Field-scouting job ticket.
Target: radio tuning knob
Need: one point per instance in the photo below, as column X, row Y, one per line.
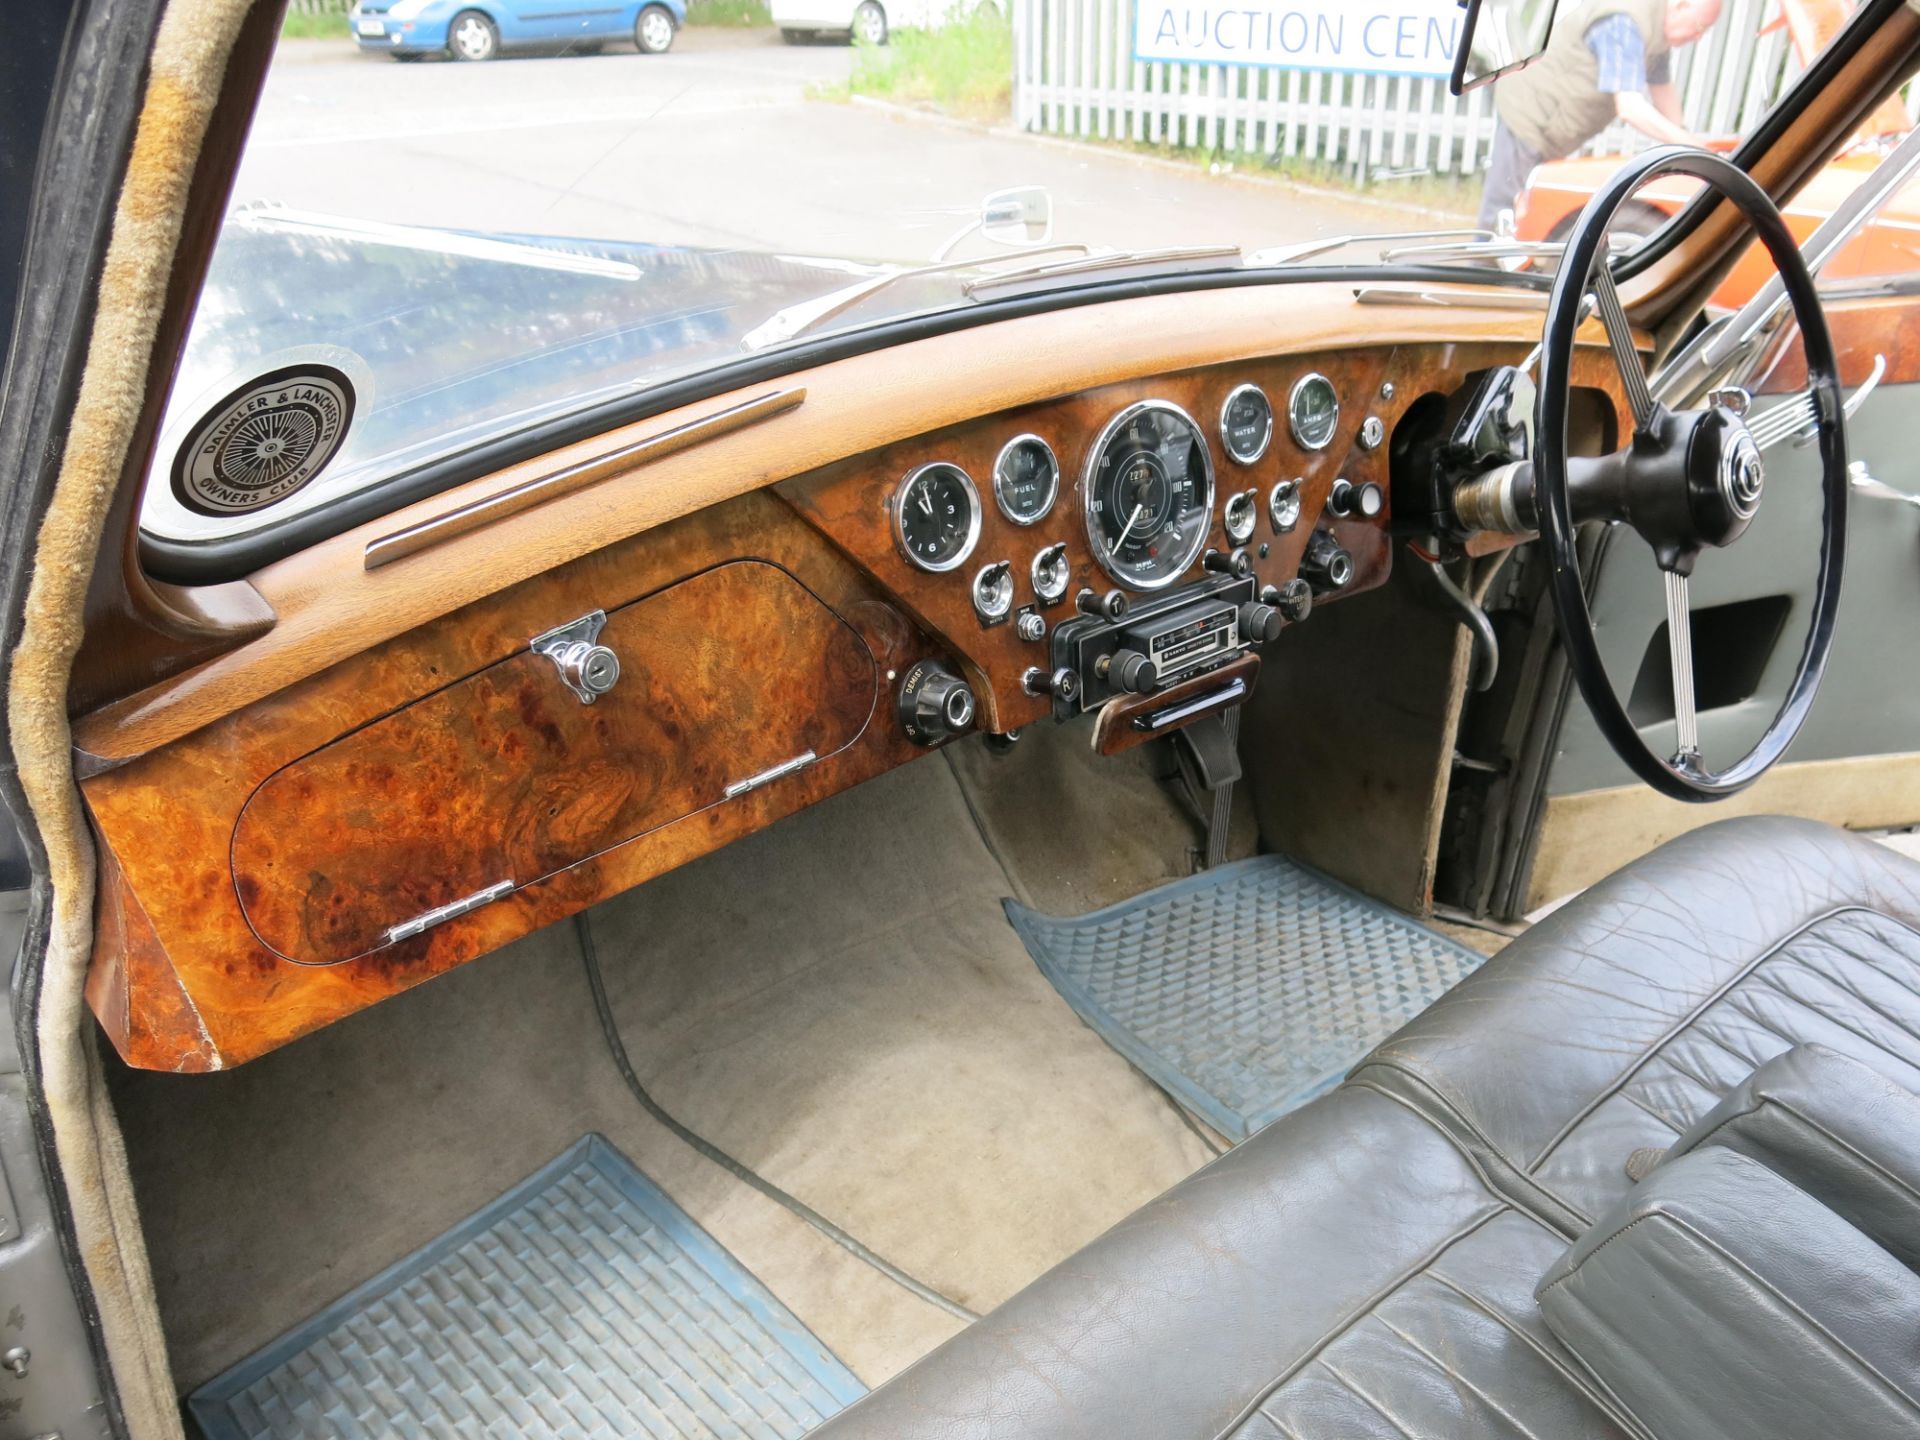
column 1260, row 623
column 1238, row 564
column 934, row 704
column 1130, row 671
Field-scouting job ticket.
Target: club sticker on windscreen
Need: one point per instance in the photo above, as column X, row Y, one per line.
column 265, row 441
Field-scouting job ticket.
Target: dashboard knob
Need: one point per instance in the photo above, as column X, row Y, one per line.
column 1294, row 600
column 1031, row 625
column 1239, row 564
column 1110, row 606
column 934, row 704
column 1358, row 502
column 1260, row 623
column 1130, row 671
column 1061, row 684
column 1327, row 565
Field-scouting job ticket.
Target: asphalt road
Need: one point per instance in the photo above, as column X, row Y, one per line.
column 715, row 143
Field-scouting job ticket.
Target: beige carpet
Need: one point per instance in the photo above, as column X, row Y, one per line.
column 838, row 1001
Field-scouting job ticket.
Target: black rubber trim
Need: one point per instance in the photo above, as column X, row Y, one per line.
column 214, row 561
column 1858, row 30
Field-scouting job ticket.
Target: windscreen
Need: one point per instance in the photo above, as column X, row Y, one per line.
column 455, row 220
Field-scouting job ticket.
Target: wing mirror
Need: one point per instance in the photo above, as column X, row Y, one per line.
column 1022, row 218
column 1498, row 37
column 1017, row 217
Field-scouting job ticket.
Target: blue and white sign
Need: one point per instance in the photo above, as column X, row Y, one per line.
column 1372, row 37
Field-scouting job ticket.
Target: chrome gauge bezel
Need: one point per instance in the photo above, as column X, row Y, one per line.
column 1245, row 503
column 1053, row 488
column 973, row 521
column 1294, row 423
column 1226, row 432
column 1097, row 542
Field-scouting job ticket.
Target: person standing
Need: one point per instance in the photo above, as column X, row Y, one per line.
column 1605, row 60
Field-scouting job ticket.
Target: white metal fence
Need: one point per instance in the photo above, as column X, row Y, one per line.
column 1074, row 74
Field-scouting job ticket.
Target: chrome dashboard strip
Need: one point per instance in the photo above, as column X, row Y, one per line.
column 466, row 519
column 422, row 923
column 767, row 777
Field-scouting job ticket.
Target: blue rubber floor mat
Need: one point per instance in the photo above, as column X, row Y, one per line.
column 1247, row 990
column 582, row 1303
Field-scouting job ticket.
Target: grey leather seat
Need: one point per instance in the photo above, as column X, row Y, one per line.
column 1621, row 1019
column 1346, row 1273
column 1367, row 1265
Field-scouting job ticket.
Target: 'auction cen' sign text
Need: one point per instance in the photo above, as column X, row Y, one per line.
column 1387, row 37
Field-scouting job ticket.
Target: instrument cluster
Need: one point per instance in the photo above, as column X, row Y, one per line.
column 1148, row 492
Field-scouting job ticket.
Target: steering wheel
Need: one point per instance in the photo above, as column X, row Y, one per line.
column 1686, row 480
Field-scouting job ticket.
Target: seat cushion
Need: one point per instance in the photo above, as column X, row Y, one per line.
column 1345, row 1273
column 1619, row 1020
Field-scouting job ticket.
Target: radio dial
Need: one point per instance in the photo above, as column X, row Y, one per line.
column 1130, row 671
column 1260, row 624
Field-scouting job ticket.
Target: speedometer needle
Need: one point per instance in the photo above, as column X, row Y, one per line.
column 1132, row 520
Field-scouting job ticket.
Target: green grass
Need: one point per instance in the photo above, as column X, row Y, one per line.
column 306, row 25
column 964, row 68
column 737, row 14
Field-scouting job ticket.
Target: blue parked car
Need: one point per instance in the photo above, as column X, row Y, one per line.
column 481, row 29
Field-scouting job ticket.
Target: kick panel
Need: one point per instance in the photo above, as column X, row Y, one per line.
column 511, row 775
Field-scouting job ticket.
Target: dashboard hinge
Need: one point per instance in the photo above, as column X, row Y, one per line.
column 420, row 924
column 767, row 777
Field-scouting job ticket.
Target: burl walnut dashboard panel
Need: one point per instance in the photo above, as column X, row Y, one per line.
column 445, row 792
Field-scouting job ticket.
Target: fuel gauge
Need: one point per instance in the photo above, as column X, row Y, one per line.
column 1026, row 478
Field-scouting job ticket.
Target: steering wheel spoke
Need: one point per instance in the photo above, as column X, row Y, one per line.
column 1686, row 717
column 1633, row 374
column 1691, row 478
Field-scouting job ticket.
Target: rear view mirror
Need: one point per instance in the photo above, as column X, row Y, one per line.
column 1500, row 36
column 1017, row 217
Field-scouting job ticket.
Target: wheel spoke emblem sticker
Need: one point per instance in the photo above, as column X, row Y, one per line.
column 264, row 441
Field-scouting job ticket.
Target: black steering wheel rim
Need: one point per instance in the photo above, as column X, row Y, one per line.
column 1683, row 778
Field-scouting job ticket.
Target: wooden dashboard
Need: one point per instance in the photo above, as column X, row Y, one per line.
column 291, row 836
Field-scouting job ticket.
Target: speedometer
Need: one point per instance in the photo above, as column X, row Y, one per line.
column 1148, row 495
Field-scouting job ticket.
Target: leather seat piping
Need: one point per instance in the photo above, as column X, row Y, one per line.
column 1521, row 1189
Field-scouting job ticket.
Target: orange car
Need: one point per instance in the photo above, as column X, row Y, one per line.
column 1889, row 245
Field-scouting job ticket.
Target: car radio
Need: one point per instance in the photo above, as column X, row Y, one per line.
column 1119, row 646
